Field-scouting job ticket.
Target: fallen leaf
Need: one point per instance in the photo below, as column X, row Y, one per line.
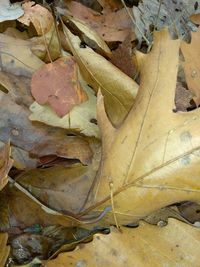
column 152, row 159
column 112, row 27
column 4, row 252
column 39, row 16
column 37, row 138
column 57, row 84
column 5, row 164
column 10, row 12
column 191, row 53
column 146, row 245
column 80, row 118
column 16, row 56
column 119, row 89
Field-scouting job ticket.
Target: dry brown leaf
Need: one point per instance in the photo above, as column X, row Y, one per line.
column 5, row 164
column 146, row 246
column 18, row 88
column 37, row 138
column 39, row 16
column 119, row 89
column 183, row 98
column 191, row 53
column 16, row 56
column 56, row 193
column 4, row 251
column 110, row 5
column 152, row 159
column 57, row 84
column 112, row 27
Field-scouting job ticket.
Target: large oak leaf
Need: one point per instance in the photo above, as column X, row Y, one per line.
column 152, row 159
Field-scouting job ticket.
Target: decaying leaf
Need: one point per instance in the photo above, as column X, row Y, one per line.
column 16, row 56
column 4, row 251
column 10, row 12
column 191, row 64
column 118, row 88
column 155, row 14
column 57, row 84
column 39, row 16
column 145, row 245
column 183, row 98
column 79, row 119
column 5, row 164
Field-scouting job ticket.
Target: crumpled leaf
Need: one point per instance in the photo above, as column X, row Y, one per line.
column 16, row 56
column 152, row 159
column 5, row 164
column 4, row 252
column 90, row 36
column 10, row 12
column 37, row 138
column 80, row 118
column 119, row 89
column 155, row 14
column 57, row 84
column 39, row 16
column 191, row 65
column 145, row 245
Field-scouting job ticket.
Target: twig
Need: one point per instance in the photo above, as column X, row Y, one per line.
column 134, row 22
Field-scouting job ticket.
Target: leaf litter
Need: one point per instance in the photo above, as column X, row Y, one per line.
column 68, row 171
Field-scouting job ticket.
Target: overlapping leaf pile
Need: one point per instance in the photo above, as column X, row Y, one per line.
column 87, row 142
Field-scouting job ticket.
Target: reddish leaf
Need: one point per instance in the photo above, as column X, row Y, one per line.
column 57, row 84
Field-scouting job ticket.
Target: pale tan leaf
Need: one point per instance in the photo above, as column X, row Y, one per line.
column 16, row 56
column 4, row 251
column 177, row 244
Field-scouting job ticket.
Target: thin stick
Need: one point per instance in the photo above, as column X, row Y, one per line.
column 134, row 22
column 112, row 204
column 45, row 43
